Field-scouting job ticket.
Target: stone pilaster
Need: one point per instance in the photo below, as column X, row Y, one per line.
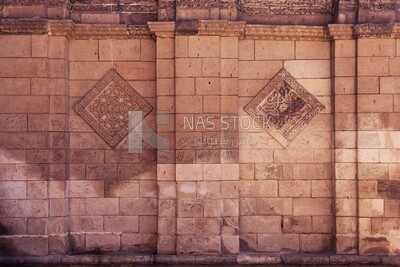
column 345, row 110
column 165, row 68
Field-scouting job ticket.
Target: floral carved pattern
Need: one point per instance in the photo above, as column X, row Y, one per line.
column 105, row 108
column 284, row 107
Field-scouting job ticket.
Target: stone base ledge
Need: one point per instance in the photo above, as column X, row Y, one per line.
column 243, row 259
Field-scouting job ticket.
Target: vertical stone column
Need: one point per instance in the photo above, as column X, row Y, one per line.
column 344, row 81
column 165, row 47
column 378, row 140
column 58, row 143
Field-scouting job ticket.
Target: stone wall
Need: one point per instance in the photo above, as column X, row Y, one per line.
column 320, row 174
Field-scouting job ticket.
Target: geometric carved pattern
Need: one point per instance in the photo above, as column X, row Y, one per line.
column 293, row 7
column 283, row 107
column 105, row 108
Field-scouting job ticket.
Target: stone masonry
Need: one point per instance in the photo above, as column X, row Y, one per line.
column 266, row 127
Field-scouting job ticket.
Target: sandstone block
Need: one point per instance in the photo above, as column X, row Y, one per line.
column 377, row 48
column 278, row 242
column 344, row 85
column 230, row 244
column 24, row 172
column 58, row 207
column 138, row 206
column 24, row 104
column 274, row 206
column 15, row 86
column 37, row 189
column 345, row 121
column 139, row 243
column 86, row 189
column 297, row 224
column 28, row 246
column 148, row 188
column 189, row 172
column 165, row 48
column 346, row 207
column 190, row 209
column 345, row 48
column 370, row 171
column 102, row 206
column 346, row 189
column 345, row 139
column 308, row 68
column 256, row 156
column 345, row 67
column 207, row 86
column 390, row 85
column 229, row 68
column 259, row 69
column 15, row 46
column 230, row 207
column 260, row 224
column 147, row 50
column 189, row 104
column 272, row 50
column 185, row 86
column 40, row 45
column 246, row 49
column 102, row 242
column 165, row 68
column 24, row 208
column 368, row 189
column 229, row 47
column 13, row 123
column 57, row 47
column 166, row 226
column 248, row 206
column 316, row 242
column 346, row 225
column 166, row 208
column 246, row 171
column 294, row 188
column 13, row 189
column 166, row 244
column 312, row 50
column 181, row 46
column 208, row 190
column 394, row 171
column 229, row 189
column 368, row 155
column 138, row 71
column 293, row 155
column 210, row 67
column 373, row 66
column 84, row 50
column 122, row 188
column 261, row 188
column 89, row 70
column 204, row 46
column 368, row 85
column 371, row 207
column 148, row 224
column 321, row 188
column 312, row 206
column 375, row 103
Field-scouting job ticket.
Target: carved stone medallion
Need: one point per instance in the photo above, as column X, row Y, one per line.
column 105, row 108
column 283, row 107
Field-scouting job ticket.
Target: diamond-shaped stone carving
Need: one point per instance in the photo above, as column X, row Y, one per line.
column 283, row 107
column 105, row 108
